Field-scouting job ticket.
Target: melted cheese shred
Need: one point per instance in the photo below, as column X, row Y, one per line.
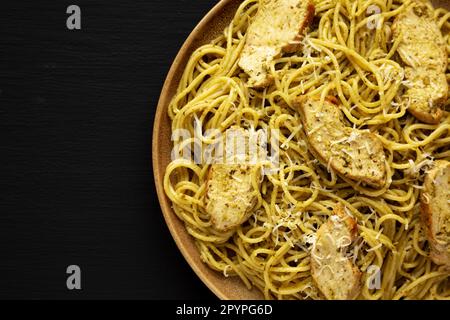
column 341, row 56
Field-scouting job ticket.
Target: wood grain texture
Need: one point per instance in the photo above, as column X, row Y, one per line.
column 76, row 185
column 76, row 110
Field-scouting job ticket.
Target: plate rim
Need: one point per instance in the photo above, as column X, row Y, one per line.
column 159, row 171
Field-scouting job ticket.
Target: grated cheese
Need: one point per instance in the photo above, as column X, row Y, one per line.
column 379, row 234
column 329, row 165
column 348, row 153
column 285, row 144
column 378, row 246
column 225, row 270
column 315, row 129
column 339, row 141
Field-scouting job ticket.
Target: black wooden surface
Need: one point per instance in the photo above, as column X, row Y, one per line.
column 76, row 117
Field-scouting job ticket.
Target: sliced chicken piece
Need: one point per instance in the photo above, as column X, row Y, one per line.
column 354, row 154
column 230, row 194
column 435, row 209
column 333, row 272
column 426, row 94
column 423, row 51
column 278, row 26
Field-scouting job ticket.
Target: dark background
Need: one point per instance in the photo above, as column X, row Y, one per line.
column 76, row 118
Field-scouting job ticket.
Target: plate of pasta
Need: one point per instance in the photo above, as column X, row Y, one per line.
column 301, row 149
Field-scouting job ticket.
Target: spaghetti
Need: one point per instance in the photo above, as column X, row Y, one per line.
column 349, row 54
